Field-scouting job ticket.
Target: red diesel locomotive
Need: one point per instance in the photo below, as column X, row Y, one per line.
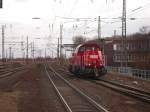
column 87, row 59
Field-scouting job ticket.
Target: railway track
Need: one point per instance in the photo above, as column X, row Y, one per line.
column 122, row 88
column 9, row 72
column 72, row 98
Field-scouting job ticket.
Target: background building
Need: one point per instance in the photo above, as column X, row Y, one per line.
column 137, row 51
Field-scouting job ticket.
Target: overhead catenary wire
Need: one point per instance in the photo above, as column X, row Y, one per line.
column 106, row 20
column 137, row 10
column 74, row 5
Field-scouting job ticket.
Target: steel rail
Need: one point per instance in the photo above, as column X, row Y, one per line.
column 58, row 93
column 90, row 100
column 125, row 86
column 124, row 90
column 9, row 73
column 128, row 90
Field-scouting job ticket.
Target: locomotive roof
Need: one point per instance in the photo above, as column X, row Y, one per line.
column 88, row 44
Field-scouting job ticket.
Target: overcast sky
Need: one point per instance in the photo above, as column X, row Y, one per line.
column 18, row 14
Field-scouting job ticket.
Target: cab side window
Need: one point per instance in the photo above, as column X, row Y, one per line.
column 81, row 49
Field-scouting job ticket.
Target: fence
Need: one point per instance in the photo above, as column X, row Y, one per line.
column 145, row 74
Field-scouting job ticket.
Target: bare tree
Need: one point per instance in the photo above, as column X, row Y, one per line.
column 78, row 40
column 145, row 29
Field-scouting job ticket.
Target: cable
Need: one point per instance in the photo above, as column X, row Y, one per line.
column 75, row 3
column 140, row 8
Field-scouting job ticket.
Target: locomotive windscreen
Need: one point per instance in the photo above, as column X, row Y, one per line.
column 91, row 48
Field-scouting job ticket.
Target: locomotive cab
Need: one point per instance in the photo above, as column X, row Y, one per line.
column 88, row 59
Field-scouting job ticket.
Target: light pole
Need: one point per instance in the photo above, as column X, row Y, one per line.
column 38, row 18
column 3, row 44
column 27, row 52
column 61, row 28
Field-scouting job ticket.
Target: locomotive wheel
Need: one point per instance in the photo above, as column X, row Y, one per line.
column 76, row 70
column 103, row 70
column 73, row 69
column 96, row 73
column 70, row 68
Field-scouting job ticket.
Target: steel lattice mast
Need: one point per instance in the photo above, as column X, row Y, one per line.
column 124, row 52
